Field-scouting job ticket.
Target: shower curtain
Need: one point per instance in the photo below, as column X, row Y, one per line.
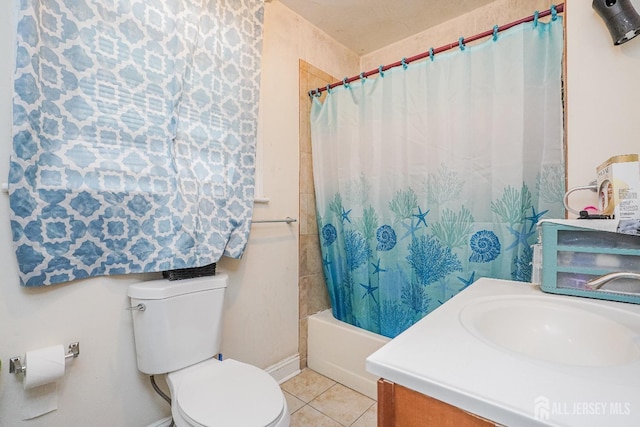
column 435, row 173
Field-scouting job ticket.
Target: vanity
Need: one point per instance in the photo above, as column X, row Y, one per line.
column 506, row 353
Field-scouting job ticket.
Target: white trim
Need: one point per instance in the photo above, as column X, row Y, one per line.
column 285, row 369
column 165, row 422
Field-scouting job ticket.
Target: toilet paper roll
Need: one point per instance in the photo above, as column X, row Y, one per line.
column 39, row 401
column 43, row 366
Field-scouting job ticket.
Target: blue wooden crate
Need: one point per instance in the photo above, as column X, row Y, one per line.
column 573, row 255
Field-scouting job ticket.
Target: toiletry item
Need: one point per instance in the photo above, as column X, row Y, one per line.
column 44, row 367
column 587, row 215
column 629, row 226
column 575, row 253
column 618, row 185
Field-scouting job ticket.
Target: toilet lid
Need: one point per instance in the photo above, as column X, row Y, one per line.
column 229, row 393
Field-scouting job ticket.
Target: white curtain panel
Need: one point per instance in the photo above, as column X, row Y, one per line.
column 435, row 174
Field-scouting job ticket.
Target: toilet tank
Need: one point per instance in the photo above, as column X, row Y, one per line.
column 181, row 323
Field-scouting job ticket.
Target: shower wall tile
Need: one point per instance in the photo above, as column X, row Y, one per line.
column 306, row 173
column 308, row 222
column 314, row 295
column 310, row 255
column 302, row 345
column 303, row 292
column 305, row 126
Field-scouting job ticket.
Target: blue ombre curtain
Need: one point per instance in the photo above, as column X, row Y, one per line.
column 134, row 128
column 434, row 175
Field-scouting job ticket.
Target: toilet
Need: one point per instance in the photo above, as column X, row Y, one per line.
column 177, row 328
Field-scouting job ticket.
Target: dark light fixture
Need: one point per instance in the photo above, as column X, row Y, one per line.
column 621, row 18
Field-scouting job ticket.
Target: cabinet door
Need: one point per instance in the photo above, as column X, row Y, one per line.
column 399, row 406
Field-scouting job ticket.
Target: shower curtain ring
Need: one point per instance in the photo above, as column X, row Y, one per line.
column 362, row 77
column 380, row 71
column 535, row 18
column 461, row 43
column 328, row 89
column 495, row 32
column 431, row 53
column 554, row 12
column 404, row 63
column 345, row 83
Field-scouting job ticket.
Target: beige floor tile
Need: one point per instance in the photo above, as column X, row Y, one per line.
column 369, row 418
column 293, row 403
column 307, row 385
column 309, row 417
column 342, row 404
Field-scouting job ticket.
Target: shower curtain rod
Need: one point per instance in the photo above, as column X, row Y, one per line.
column 432, row 52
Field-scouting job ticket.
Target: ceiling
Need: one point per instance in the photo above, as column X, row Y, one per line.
column 367, row 25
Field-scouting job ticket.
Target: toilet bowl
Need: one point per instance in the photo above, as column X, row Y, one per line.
column 227, row 393
column 177, row 328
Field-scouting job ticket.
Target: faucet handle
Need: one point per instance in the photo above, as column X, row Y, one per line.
column 597, row 283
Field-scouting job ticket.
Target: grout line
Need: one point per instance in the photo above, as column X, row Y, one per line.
column 326, row 415
column 365, row 411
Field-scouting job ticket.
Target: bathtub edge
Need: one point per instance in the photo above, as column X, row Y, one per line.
column 338, row 351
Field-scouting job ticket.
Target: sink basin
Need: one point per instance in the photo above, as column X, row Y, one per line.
column 556, row 330
column 513, row 354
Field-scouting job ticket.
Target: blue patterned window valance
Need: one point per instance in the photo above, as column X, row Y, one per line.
column 134, row 127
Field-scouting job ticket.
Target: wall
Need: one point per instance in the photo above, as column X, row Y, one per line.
column 287, row 40
column 103, row 387
column 603, row 87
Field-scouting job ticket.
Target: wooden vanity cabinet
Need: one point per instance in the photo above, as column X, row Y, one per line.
column 399, row 406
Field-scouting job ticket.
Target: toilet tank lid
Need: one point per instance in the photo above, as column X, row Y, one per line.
column 163, row 288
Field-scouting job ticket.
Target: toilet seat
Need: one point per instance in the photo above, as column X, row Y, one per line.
column 228, row 393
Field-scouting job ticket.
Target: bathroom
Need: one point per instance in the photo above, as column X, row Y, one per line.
column 273, row 288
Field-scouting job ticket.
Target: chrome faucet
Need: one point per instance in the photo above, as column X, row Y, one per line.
column 597, row 283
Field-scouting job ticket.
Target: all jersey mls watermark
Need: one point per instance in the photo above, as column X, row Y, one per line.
column 546, row 409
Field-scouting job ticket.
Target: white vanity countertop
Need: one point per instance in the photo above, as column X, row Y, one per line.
column 439, row 357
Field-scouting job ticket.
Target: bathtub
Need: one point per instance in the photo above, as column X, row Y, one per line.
column 338, row 350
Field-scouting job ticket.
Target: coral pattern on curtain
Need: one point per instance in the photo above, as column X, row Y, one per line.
column 134, row 127
column 433, row 175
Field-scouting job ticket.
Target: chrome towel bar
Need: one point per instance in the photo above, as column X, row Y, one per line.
column 288, row 220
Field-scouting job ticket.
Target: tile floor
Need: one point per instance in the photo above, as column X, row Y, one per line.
column 317, row 401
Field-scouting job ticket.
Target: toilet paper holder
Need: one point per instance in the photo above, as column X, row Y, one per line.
column 16, row 366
